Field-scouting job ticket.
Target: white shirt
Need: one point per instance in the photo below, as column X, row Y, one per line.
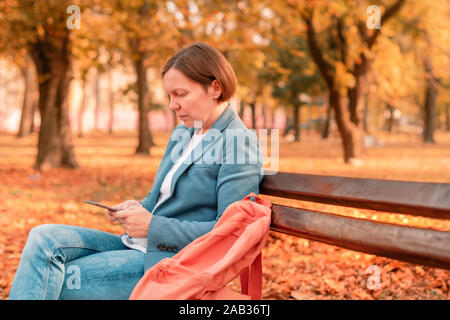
column 164, row 192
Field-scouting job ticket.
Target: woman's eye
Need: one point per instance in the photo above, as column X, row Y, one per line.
column 177, row 95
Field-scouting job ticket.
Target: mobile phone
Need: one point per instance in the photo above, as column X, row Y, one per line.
column 101, row 205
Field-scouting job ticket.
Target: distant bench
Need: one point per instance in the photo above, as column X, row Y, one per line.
column 410, row 244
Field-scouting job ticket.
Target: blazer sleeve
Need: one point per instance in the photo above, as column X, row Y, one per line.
column 234, row 182
column 145, row 202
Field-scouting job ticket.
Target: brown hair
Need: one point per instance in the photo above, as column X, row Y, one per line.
column 202, row 63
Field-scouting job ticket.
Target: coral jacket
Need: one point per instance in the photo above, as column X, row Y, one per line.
column 202, row 269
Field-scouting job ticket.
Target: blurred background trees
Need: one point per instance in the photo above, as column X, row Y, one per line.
column 364, row 68
column 40, row 31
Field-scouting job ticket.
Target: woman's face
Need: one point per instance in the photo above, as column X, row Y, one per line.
column 189, row 99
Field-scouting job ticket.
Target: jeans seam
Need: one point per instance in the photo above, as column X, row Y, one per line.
column 47, row 274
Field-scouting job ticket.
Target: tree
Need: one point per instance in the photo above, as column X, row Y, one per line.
column 443, row 103
column 145, row 29
column 30, row 98
column 431, row 91
column 48, row 40
column 237, row 29
column 335, row 76
column 433, row 49
column 293, row 75
column 342, row 47
column 15, row 49
column 424, row 29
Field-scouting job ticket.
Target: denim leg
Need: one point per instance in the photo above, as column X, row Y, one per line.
column 110, row 275
column 49, row 247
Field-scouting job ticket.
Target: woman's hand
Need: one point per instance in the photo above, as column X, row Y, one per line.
column 135, row 219
column 122, row 206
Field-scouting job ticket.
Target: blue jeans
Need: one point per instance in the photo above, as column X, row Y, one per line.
column 68, row 262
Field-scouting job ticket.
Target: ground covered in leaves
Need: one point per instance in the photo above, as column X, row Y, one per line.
column 293, row 268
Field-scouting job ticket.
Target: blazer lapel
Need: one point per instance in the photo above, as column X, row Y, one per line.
column 167, row 162
column 220, row 124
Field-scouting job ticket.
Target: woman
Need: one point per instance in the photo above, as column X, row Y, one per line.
column 211, row 161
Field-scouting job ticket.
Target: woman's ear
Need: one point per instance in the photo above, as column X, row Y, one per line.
column 216, row 89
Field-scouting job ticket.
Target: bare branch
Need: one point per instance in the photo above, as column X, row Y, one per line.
column 342, row 42
column 316, row 52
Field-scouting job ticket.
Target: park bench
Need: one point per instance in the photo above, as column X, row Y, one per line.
column 411, row 244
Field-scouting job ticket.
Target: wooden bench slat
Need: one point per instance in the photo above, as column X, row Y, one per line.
column 414, row 198
column 416, row 245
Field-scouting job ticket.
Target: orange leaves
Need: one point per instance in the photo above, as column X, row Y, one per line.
column 320, row 271
column 333, row 286
column 344, row 78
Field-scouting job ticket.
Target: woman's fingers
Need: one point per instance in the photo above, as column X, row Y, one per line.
column 122, row 208
column 112, row 216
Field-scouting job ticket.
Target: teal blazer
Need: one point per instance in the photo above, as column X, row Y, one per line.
column 223, row 168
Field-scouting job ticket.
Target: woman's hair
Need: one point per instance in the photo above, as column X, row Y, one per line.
column 202, row 63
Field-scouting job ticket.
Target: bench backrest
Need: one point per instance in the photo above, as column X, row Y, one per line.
column 411, row 244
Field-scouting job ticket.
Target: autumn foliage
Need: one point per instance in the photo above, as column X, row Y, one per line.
column 293, row 268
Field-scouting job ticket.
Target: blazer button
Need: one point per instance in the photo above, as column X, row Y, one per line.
column 163, row 248
column 159, row 247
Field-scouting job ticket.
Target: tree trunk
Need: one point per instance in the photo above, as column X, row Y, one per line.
column 97, row 100
column 241, row 109
column 253, row 109
column 145, row 137
column 296, row 122
column 273, row 113
column 431, row 91
column 265, row 114
column 82, row 106
column 356, row 94
column 35, row 106
column 390, row 120
column 430, row 106
column 366, row 113
column 353, row 97
column 54, row 69
column 111, row 101
column 326, row 127
column 288, row 123
column 30, row 98
column 350, row 133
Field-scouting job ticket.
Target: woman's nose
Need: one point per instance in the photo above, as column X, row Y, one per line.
column 173, row 105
